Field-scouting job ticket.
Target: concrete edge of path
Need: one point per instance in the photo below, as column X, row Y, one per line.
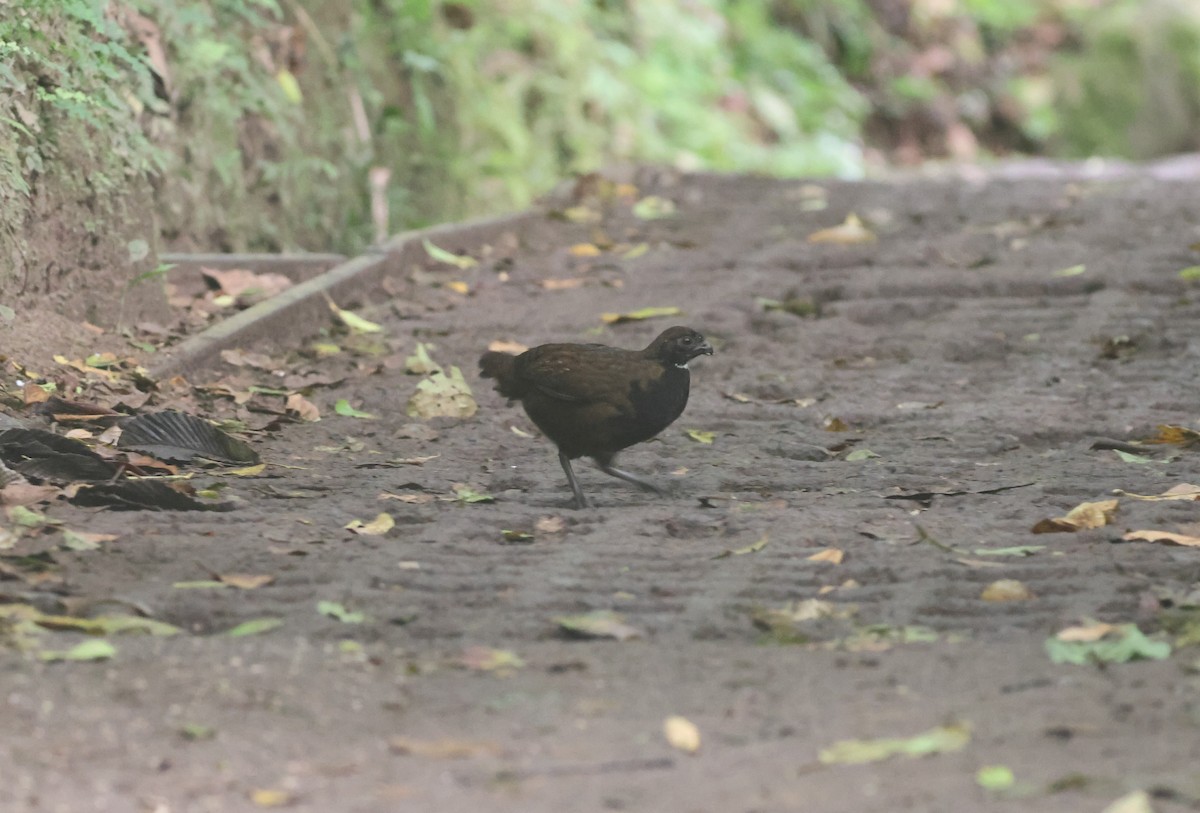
column 295, row 313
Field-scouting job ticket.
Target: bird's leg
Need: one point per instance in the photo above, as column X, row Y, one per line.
column 580, row 500
column 607, row 467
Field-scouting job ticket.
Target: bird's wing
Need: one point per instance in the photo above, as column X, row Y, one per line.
column 578, row 373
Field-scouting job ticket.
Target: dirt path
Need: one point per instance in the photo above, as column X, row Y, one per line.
column 963, row 349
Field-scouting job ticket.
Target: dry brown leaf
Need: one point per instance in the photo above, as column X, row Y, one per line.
column 239, row 282
column 443, row 749
column 33, row 394
column 23, row 493
column 1083, row 516
column 1178, row 435
column 849, row 232
column 1006, row 590
column 245, row 581
column 836, row 425
column 833, row 555
column 1166, row 537
column 303, row 408
column 682, row 734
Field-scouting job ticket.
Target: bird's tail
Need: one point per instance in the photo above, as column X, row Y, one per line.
column 499, row 366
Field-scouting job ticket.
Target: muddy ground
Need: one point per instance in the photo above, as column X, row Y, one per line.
column 954, row 348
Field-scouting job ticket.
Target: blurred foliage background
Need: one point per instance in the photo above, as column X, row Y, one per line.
column 320, row 124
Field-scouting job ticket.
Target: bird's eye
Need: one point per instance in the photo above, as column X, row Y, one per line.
column 687, row 340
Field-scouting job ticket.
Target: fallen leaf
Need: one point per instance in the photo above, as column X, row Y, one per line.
column 442, row 395
column 995, row 777
column 584, row 250
column 1190, row 274
column 459, row 287
column 850, row 232
column 654, row 207
column 836, row 425
column 1083, row 516
column 255, row 626
column 1018, row 550
column 443, row 256
column 247, row 471
column 486, row 659
column 1183, row 491
column 246, row 581
column 566, row 284
column 1073, row 271
column 682, row 734
column 343, row 408
column 303, row 408
column 940, row 740
column 81, row 541
column 1136, row 802
column 641, row 313
column 501, row 346
column 271, row 797
column 1114, row 644
column 466, row 494
column 860, row 454
column 832, row 555
column 755, row 548
column 1006, row 590
column 94, row 650
column 379, row 526
column 701, row 436
column 353, row 321
column 1166, row 537
column 443, row 749
column 338, row 611
column 635, row 251
column 1130, row 457
column 1177, row 435
column 420, row 362
column 550, row 525
column 197, row 731
column 598, row 624
column 511, row 536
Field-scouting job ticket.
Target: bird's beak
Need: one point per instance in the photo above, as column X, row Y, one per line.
column 705, row 349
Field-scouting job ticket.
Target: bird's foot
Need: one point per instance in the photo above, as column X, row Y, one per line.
column 629, row 477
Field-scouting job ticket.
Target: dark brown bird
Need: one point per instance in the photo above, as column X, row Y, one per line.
column 593, row 400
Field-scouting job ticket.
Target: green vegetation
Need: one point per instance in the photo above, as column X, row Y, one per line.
column 265, row 124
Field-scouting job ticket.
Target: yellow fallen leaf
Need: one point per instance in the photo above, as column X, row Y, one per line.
column 270, row 797
column 1006, row 590
column 379, row 526
column 1179, row 435
column 641, row 313
column 248, row 471
column 934, row 741
column 246, row 581
column 1163, row 536
column 700, row 436
column 353, row 321
column 502, row 346
column 849, row 232
column 584, row 250
column 459, row 287
column 1083, row 516
column 832, row 555
column 682, row 734
column 567, row 284
column 1085, row 633
column 304, row 408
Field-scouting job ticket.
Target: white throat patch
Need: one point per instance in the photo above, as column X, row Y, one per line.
column 683, row 366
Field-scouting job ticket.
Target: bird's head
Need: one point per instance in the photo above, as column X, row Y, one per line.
column 678, row 346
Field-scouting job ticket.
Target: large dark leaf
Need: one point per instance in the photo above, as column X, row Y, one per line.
column 180, row 437
column 47, row 456
column 142, row 495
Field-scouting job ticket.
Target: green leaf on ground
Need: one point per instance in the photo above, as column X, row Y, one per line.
column 995, row 777
column 353, row 321
column 1190, row 273
column 443, row 256
column 654, row 207
column 1018, row 550
column 940, row 740
column 1130, row 457
column 95, row 650
column 255, row 626
column 465, row 493
column 755, row 548
column 339, row 612
column 639, row 314
column 1114, row 644
column 343, row 408
column 1073, row 271
column 442, row 395
column 700, row 436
